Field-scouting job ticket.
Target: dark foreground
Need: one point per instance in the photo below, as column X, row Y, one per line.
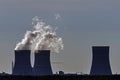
column 58, row 77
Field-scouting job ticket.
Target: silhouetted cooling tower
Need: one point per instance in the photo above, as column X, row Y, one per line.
column 42, row 64
column 22, row 64
column 100, row 62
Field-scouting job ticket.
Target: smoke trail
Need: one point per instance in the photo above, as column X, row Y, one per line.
column 41, row 38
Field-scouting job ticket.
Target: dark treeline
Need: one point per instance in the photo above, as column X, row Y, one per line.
column 60, row 77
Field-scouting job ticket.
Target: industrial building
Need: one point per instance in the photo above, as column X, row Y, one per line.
column 42, row 65
column 22, row 64
column 100, row 61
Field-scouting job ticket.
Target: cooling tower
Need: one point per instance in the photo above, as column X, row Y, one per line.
column 42, row 64
column 22, row 65
column 100, row 62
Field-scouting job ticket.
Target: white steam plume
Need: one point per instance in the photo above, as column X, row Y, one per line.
column 41, row 38
column 57, row 16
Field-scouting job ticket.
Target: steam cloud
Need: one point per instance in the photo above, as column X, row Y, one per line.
column 57, row 16
column 41, row 38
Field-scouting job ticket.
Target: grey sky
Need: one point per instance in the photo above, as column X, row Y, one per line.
column 83, row 23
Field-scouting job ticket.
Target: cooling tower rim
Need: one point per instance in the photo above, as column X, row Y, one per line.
column 21, row 50
column 100, row 46
column 37, row 51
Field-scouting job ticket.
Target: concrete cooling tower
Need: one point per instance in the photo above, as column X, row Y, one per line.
column 100, row 62
column 42, row 64
column 22, row 65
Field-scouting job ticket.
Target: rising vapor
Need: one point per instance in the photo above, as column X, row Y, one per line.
column 43, row 37
column 57, row 16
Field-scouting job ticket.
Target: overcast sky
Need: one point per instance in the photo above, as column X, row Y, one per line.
column 82, row 24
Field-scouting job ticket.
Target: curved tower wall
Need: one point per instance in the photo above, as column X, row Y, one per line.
column 42, row 65
column 100, row 62
column 22, row 65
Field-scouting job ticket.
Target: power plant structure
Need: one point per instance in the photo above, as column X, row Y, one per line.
column 100, row 61
column 42, row 64
column 22, row 65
